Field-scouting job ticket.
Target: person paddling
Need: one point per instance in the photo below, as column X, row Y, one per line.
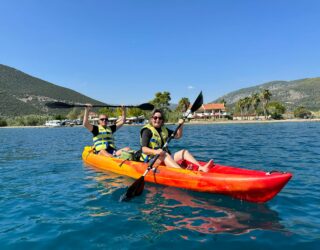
column 154, row 135
column 103, row 134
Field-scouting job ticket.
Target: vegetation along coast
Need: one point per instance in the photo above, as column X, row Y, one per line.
column 23, row 100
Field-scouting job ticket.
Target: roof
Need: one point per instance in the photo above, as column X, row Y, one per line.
column 212, row 106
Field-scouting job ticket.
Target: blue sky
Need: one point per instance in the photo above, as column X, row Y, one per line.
column 123, row 52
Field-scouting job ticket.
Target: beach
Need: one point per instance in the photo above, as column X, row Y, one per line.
column 251, row 121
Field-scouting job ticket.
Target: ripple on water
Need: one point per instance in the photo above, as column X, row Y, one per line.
column 50, row 199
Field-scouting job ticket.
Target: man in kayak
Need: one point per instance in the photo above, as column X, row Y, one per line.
column 154, row 135
column 103, row 134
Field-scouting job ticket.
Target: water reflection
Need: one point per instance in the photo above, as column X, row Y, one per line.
column 168, row 208
column 206, row 213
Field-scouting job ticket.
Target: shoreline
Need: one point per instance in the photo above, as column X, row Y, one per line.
column 254, row 121
column 199, row 122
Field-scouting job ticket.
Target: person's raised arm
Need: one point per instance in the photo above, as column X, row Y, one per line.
column 122, row 120
column 86, row 122
column 179, row 132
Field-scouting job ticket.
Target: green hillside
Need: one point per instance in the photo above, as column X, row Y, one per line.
column 22, row 94
column 304, row 92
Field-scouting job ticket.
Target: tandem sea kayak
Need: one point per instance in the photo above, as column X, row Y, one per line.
column 244, row 184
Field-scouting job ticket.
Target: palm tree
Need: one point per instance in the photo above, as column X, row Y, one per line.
column 241, row 105
column 265, row 96
column 224, row 102
column 183, row 104
column 247, row 104
column 255, row 101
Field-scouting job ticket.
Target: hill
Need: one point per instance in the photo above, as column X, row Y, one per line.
column 303, row 92
column 22, row 94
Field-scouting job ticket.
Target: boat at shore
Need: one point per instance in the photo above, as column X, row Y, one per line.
column 249, row 185
column 53, row 123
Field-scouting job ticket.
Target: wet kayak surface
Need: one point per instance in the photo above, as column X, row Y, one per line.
column 50, row 199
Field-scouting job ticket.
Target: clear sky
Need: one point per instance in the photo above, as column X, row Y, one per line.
column 124, row 51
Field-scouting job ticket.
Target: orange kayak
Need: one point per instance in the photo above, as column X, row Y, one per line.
column 244, row 184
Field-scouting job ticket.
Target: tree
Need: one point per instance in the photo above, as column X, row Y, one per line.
column 59, row 117
column 117, row 112
column 302, row 112
column 276, row 110
column 134, row 112
column 162, row 100
column 241, row 106
column 255, row 101
column 247, row 104
column 224, row 102
column 73, row 114
column 3, row 122
column 107, row 111
column 265, row 96
column 183, row 104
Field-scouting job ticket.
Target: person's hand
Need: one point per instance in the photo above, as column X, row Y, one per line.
column 88, row 106
column 160, row 152
column 123, row 109
column 181, row 121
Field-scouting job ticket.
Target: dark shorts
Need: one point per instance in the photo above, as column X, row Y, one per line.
column 109, row 150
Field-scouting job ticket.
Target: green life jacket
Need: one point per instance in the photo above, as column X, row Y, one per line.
column 103, row 139
column 155, row 141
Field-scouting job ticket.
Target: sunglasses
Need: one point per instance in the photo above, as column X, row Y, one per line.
column 104, row 119
column 157, row 118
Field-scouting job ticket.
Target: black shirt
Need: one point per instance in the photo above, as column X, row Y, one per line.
column 95, row 132
column 146, row 136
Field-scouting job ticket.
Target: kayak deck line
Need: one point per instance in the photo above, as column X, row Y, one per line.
column 245, row 184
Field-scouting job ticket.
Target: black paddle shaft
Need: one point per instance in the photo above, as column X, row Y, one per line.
column 63, row 105
column 137, row 187
column 196, row 105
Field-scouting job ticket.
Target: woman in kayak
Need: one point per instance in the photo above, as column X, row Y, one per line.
column 103, row 134
column 154, row 135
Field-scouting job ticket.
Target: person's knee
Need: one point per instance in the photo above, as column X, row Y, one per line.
column 183, row 153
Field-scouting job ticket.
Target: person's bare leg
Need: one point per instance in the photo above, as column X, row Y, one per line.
column 166, row 160
column 170, row 162
column 118, row 153
column 207, row 167
column 104, row 153
column 185, row 155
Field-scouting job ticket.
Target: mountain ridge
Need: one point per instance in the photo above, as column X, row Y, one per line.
column 23, row 94
column 302, row 92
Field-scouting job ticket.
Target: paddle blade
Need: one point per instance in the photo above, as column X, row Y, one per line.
column 135, row 189
column 146, row 106
column 197, row 103
column 59, row 105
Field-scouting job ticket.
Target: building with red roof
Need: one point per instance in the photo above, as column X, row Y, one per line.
column 215, row 110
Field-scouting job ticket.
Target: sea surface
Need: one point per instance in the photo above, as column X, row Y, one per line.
column 50, row 199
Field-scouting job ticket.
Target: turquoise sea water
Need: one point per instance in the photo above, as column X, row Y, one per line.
column 50, row 200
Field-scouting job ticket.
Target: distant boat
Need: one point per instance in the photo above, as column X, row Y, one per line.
column 53, row 123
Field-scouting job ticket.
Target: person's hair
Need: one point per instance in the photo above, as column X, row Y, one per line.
column 157, row 111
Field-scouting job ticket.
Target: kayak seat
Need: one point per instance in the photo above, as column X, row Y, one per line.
column 188, row 165
column 130, row 155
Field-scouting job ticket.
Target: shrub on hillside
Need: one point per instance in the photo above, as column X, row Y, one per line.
column 302, row 112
